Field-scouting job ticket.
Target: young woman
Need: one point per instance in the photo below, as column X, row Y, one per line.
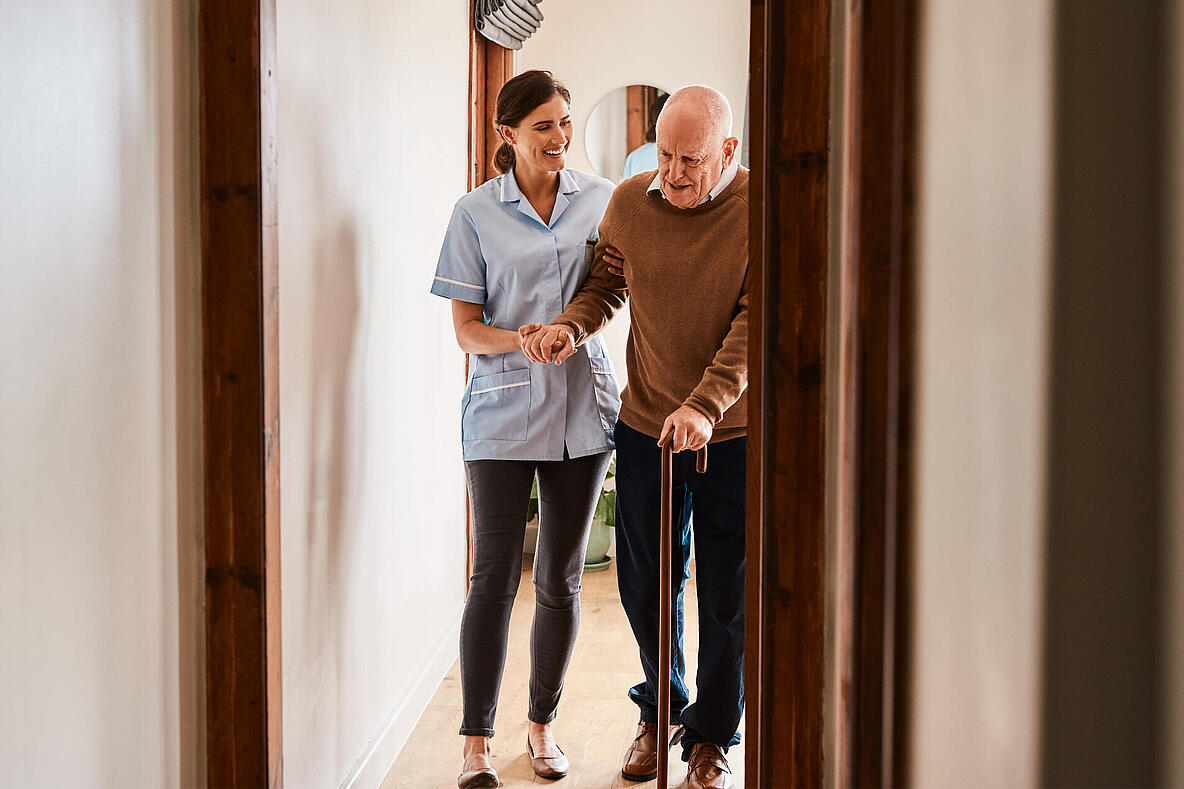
column 516, row 251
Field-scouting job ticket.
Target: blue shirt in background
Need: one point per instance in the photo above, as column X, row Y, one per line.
column 642, row 159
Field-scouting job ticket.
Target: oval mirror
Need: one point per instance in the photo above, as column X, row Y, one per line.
column 619, row 137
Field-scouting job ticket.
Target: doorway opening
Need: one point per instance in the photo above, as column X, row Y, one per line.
column 824, row 268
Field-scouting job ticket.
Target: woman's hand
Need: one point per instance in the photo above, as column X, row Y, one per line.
column 615, row 260
column 525, row 331
column 524, row 334
column 546, row 344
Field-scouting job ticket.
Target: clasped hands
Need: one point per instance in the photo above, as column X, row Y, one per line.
column 554, row 342
column 684, row 429
column 546, row 344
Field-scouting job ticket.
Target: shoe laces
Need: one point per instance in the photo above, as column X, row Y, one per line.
column 705, row 754
column 645, row 728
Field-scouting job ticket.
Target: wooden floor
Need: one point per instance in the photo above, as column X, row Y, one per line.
column 596, row 720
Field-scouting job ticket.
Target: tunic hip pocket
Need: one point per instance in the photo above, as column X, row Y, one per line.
column 498, row 407
column 608, row 392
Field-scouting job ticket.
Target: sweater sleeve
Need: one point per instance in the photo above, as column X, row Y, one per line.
column 603, row 293
column 725, row 380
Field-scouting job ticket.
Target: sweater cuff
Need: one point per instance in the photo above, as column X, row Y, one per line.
column 704, row 407
column 577, row 335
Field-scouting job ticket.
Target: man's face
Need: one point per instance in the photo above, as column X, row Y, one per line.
column 691, row 156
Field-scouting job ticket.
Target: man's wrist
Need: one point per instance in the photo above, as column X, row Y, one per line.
column 570, row 328
column 701, row 406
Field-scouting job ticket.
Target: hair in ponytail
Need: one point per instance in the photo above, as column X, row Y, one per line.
column 518, row 98
column 503, row 158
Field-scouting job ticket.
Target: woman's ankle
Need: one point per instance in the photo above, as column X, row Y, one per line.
column 476, row 746
column 538, row 732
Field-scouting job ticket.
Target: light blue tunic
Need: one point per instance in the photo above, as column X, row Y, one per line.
column 499, row 253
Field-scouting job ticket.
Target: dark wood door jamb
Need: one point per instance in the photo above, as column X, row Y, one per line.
column 240, row 392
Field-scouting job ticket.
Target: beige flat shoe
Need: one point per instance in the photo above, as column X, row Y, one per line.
column 550, row 767
column 476, row 778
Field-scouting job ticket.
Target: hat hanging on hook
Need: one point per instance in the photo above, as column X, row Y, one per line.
column 507, row 22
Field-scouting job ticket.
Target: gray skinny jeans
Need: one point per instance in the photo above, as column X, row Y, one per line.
column 499, row 491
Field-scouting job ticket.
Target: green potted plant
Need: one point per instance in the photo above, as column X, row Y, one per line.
column 596, row 558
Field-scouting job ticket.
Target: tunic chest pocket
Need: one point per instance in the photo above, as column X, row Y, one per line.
column 498, row 407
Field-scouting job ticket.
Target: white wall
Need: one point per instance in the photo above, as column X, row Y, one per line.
column 595, row 48
column 984, row 258
column 372, row 134
column 95, row 242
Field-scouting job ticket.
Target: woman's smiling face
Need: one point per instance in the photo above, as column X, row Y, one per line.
column 542, row 139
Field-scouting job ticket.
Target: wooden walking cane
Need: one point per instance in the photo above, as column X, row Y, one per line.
column 666, row 604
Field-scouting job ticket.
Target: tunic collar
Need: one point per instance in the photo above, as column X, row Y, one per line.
column 510, row 192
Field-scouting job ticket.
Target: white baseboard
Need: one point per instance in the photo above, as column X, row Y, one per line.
column 374, row 765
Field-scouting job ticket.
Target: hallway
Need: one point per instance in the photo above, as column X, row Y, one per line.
column 596, row 720
column 233, row 535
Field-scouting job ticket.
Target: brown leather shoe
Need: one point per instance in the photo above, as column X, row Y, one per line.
column 476, row 777
column 641, row 760
column 550, row 767
column 707, row 768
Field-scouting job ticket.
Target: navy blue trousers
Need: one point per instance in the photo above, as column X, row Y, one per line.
column 717, row 501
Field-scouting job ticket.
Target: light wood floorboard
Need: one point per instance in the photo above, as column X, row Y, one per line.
column 596, row 720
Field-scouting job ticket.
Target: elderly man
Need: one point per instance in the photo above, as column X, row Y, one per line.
column 682, row 236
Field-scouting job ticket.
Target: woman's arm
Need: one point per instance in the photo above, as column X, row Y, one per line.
column 474, row 335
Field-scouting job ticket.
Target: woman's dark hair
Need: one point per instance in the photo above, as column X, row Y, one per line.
column 651, row 133
column 518, row 98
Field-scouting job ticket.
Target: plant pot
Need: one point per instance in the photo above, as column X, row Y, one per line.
column 599, row 538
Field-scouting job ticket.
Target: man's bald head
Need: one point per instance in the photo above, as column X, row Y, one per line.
column 695, row 144
column 705, row 105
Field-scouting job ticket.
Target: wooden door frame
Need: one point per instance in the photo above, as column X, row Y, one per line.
column 879, row 260
column 240, row 374
column 794, row 162
column 490, row 66
column 790, row 241
column 240, row 393
column 789, row 139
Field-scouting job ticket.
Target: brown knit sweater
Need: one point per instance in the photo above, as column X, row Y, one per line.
column 688, row 291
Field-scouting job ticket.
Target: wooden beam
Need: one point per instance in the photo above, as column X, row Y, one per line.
column 490, row 66
column 790, row 144
column 240, row 361
column 1103, row 689
column 879, row 267
column 756, row 710
column 499, row 69
column 480, row 121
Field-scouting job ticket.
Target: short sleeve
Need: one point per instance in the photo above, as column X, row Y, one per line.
column 460, row 272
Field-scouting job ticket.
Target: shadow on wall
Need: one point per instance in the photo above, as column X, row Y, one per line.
column 324, row 327
column 334, row 447
column 332, row 334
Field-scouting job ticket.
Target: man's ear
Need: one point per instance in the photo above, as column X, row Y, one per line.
column 730, row 146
